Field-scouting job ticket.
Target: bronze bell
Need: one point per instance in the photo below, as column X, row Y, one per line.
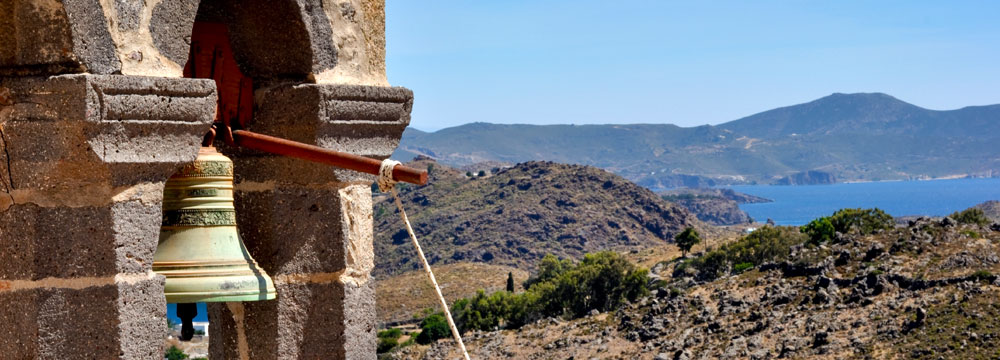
column 200, row 251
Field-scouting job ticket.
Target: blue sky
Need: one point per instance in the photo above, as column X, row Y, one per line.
column 685, row 63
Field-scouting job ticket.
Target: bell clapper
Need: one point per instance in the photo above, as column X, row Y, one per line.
column 187, row 312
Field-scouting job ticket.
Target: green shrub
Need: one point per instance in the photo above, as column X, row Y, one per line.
column 173, row 353
column 741, row 267
column 432, row 328
column 970, row 233
column 971, row 217
column 861, row 221
column 767, row 244
column 386, row 344
column 820, row 230
column 982, row 275
column 393, row 333
column 603, row 281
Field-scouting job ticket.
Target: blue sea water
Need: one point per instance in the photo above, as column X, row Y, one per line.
column 797, row 205
column 202, row 313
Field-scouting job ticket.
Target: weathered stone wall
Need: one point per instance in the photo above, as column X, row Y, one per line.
column 94, row 118
column 83, row 160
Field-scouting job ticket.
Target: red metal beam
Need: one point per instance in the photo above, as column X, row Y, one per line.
column 314, row 153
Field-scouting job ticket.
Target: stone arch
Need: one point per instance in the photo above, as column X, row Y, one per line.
column 275, row 40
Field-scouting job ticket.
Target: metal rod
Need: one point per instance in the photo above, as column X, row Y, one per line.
column 314, row 153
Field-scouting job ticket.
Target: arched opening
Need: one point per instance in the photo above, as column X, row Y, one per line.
column 270, row 54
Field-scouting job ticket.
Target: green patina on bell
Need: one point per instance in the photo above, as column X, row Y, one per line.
column 200, row 251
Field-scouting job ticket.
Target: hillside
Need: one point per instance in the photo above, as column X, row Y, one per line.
column 399, row 298
column 842, row 137
column 520, row 214
column 926, row 290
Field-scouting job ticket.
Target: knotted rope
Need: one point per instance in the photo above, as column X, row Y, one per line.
column 387, row 184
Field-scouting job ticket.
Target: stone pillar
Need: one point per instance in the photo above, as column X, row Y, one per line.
column 83, row 161
column 310, row 225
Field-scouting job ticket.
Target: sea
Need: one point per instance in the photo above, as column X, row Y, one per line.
column 798, row 205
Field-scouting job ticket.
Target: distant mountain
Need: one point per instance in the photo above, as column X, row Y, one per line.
column 867, row 114
column 842, row 137
column 517, row 216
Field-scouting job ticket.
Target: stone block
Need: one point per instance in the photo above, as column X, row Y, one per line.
column 87, row 241
column 51, row 37
column 61, row 242
column 83, row 319
column 292, row 230
column 308, row 320
column 170, row 28
column 142, row 316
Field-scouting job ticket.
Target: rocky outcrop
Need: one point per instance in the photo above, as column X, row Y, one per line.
column 811, row 177
column 714, row 206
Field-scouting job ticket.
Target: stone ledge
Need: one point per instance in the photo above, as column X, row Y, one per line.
column 80, row 131
column 363, row 120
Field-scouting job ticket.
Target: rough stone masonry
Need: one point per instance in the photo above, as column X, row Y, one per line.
column 95, row 116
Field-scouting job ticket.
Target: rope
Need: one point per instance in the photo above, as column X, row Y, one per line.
column 387, row 183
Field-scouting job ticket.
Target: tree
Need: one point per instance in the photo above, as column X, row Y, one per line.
column 510, row 282
column 173, row 353
column 468, row 174
column 481, row 173
column 819, row 230
column 687, row 239
column 550, row 267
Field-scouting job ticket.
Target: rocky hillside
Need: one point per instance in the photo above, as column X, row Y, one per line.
column 520, row 214
column 926, row 290
column 714, row 206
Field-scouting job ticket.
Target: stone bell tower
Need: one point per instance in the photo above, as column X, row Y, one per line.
column 96, row 113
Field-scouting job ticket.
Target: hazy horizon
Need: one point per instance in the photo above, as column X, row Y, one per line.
column 689, row 64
